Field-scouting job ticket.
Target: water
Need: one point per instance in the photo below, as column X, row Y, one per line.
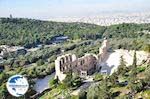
column 42, row 84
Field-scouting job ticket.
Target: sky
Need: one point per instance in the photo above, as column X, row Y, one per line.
column 44, row 9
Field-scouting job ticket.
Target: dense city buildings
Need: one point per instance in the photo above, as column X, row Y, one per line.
column 108, row 19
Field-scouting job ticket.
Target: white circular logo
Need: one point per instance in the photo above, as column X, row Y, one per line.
column 17, row 85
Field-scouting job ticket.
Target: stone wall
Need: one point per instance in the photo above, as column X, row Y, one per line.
column 103, row 50
column 84, row 66
column 62, row 64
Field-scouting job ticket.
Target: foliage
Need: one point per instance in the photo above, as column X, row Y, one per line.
column 114, row 79
column 122, row 67
column 133, row 78
column 40, row 62
column 99, row 91
column 147, row 48
column 140, row 69
column 3, row 77
column 98, row 77
column 72, row 81
column 147, row 75
column 82, row 94
column 30, row 32
column 53, row 82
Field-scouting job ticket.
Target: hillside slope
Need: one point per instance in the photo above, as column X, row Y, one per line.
column 30, row 32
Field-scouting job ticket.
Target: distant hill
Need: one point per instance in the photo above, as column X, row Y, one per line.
column 30, row 32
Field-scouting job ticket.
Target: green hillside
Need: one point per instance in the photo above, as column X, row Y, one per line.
column 84, row 38
column 30, row 32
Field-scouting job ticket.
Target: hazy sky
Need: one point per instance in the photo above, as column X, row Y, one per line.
column 44, row 9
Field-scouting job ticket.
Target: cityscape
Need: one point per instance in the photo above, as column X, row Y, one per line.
column 108, row 19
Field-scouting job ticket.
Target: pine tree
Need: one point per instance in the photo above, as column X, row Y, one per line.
column 114, row 78
column 133, row 78
column 134, row 64
column 122, row 67
column 99, row 91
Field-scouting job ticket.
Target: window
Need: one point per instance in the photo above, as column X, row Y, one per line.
column 63, row 61
column 82, row 62
column 67, row 59
column 69, row 66
column 70, row 58
column 62, row 69
column 60, row 63
column 83, row 73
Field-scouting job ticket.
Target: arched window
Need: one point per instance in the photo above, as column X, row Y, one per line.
column 67, row 59
column 60, row 63
column 70, row 58
column 63, row 61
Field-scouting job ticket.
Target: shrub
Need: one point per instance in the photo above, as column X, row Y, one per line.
column 40, row 62
column 98, row 77
column 140, row 69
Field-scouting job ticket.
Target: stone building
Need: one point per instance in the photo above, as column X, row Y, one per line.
column 84, row 66
column 64, row 64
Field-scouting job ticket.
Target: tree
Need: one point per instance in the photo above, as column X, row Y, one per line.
column 3, row 77
column 99, row 91
column 98, row 77
column 147, row 75
column 3, row 91
column 134, row 65
column 82, row 94
column 133, row 78
column 122, row 67
column 147, row 48
column 53, row 82
column 114, row 78
column 68, row 79
column 72, row 80
column 93, row 91
column 40, row 62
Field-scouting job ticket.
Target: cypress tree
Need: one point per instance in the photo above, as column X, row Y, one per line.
column 122, row 67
